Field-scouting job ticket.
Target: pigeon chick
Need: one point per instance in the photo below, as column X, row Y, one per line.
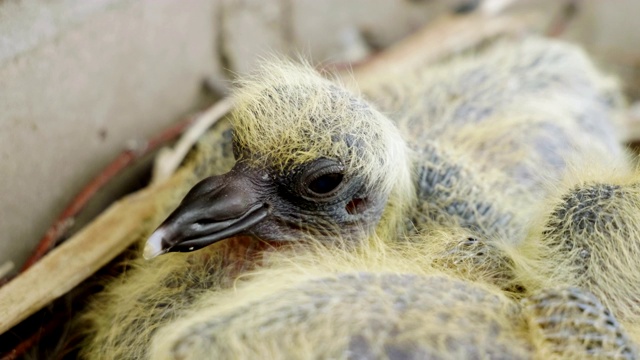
column 473, row 142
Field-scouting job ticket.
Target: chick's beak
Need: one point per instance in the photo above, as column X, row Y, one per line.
column 215, row 209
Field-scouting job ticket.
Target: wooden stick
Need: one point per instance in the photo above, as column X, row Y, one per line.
column 72, row 262
column 6, row 268
column 19, row 351
column 94, row 246
column 447, row 36
column 495, row 7
column 168, row 160
column 125, row 159
column 79, row 257
column 632, row 124
column 563, row 19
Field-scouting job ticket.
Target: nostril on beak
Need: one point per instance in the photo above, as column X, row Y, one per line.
column 204, row 221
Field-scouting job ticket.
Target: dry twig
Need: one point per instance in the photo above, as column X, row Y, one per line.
column 168, row 160
column 66, row 218
column 79, row 257
column 43, row 281
column 632, row 124
column 6, row 268
column 445, row 37
column 562, row 20
column 495, row 7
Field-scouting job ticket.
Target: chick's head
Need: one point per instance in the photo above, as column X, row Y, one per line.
column 313, row 161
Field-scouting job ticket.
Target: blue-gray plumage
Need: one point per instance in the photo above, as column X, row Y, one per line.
column 368, row 192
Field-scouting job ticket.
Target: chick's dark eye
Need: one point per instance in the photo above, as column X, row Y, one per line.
column 326, row 183
column 321, row 179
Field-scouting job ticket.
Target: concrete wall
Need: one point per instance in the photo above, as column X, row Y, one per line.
column 81, row 79
column 79, row 82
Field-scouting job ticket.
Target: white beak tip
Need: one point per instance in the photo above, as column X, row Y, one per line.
column 153, row 247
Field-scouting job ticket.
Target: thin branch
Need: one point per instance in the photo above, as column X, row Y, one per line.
column 66, row 219
column 34, row 339
column 563, row 19
column 6, row 268
column 80, row 256
column 447, row 36
column 632, row 124
column 495, row 7
column 168, row 160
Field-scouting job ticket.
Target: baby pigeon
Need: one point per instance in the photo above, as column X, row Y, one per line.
column 318, row 301
column 587, row 237
column 590, row 238
column 472, row 142
column 333, row 304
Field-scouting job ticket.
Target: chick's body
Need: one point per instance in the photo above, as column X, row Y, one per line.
column 325, row 303
column 589, row 237
column 495, row 130
column 485, row 135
